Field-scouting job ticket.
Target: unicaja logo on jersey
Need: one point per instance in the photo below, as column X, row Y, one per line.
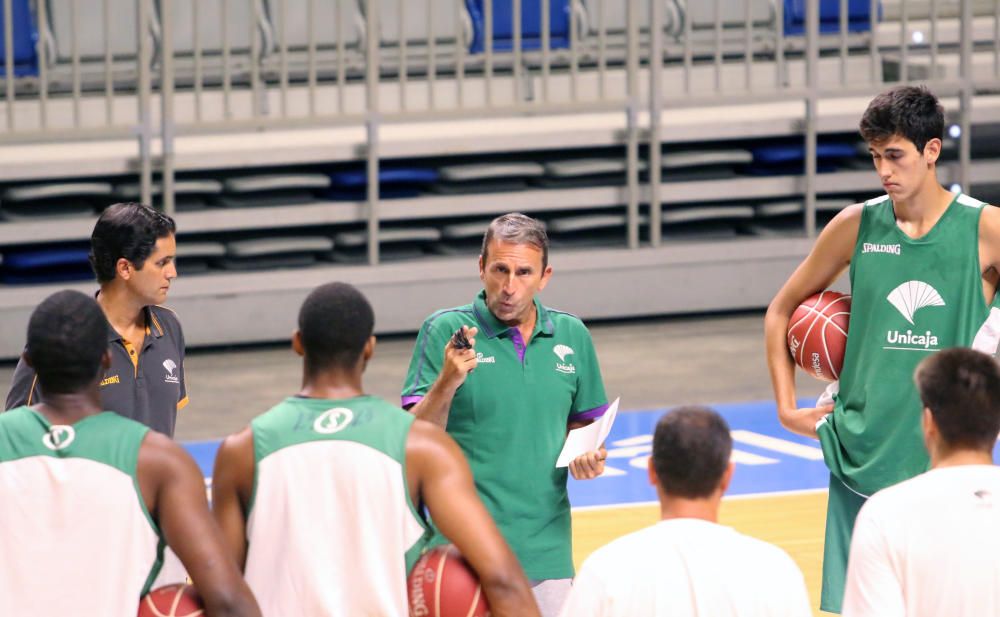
column 59, row 437
column 562, row 366
column 171, row 366
column 909, row 298
column 333, row 420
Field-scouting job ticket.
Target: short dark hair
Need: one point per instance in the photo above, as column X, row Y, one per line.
column 518, row 228
column 911, row 111
column 335, row 322
column 691, row 450
column 961, row 387
column 67, row 335
column 126, row 230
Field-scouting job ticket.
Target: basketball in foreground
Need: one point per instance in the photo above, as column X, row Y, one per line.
column 177, row 600
column 443, row 584
column 817, row 334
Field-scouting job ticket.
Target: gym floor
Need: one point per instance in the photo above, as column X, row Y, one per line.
column 652, row 364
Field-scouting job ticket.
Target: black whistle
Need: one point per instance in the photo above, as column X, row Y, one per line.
column 459, row 340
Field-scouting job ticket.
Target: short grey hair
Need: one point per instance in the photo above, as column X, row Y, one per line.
column 518, row 228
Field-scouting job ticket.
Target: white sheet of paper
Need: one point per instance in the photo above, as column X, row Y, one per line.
column 588, row 438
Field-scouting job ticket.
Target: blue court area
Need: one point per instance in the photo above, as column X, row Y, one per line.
column 769, row 459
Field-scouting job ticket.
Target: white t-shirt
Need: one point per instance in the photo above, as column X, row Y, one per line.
column 688, row 567
column 928, row 546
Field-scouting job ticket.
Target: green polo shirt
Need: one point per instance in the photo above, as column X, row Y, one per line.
column 146, row 385
column 509, row 417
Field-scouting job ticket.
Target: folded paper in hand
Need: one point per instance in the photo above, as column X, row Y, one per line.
column 588, row 438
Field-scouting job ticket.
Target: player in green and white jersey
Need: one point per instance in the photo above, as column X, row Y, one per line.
column 321, row 498
column 89, row 497
column 923, row 270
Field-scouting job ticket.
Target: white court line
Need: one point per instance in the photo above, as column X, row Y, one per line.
column 778, row 445
column 642, row 504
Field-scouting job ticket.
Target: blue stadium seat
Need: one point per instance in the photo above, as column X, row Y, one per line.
column 531, row 24
column 858, row 16
column 25, row 37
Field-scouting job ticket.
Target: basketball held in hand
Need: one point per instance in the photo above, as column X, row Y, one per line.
column 443, row 584
column 177, row 600
column 817, row 334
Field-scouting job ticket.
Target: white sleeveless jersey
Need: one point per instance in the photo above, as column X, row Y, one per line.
column 75, row 536
column 331, row 529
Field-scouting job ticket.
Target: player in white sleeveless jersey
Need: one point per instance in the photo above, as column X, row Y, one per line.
column 321, row 498
column 89, row 497
column 929, row 546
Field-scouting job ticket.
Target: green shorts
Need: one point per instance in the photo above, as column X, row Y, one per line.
column 843, row 506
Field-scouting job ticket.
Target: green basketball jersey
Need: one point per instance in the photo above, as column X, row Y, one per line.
column 331, row 528
column 910, row 298
column 74, row 529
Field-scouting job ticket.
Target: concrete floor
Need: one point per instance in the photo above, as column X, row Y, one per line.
column 649, row 363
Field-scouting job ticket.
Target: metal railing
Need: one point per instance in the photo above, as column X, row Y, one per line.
column 197, row 67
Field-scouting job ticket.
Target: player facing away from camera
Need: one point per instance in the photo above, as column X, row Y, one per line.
column 89, row 497
column 321, row 498
column 687, row 564
column 923, row 271
column 928, row 546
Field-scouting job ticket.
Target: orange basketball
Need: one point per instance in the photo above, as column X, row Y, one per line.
column 817, row 334
column 177, row 600
column 442, row 584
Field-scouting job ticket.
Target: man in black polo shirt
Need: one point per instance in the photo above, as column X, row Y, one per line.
column 132, row 251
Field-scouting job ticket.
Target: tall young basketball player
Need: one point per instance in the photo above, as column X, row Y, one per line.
column 923, row 271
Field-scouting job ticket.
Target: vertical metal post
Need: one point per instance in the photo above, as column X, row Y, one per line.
column 717, row 41
column 41, row 50
column 602, row 49
column 515, row 28
column 256, row 45
column 199, row 76
column 843, row 42
column 74, row 20
column 460, row 60
column 546, row 43
column 488, row 19
column 109, row 82
column 655, row 112
column 311, row 53
column 145, row 128
column 688, row 55
column 341, row 64
column 748, row 44
column 403, row 69
column 167, row 104
column 432, row 17
column 632, row 111
column 8, row 47
column 875, row 64
column 283, row 55
column 904, row 43
column 372, row 73
column 227, row 70
column 779, row 44
column 965, row 121
column 574, row 51
column 812, row 75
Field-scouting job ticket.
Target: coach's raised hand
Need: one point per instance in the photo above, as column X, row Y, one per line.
column 459, row 361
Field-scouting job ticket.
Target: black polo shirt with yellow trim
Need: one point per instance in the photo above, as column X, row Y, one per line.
column 145, row 384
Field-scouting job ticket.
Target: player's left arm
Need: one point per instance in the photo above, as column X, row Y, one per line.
column 174, row 491
column 589, row 402
column 873, row 589
column 232, row 485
